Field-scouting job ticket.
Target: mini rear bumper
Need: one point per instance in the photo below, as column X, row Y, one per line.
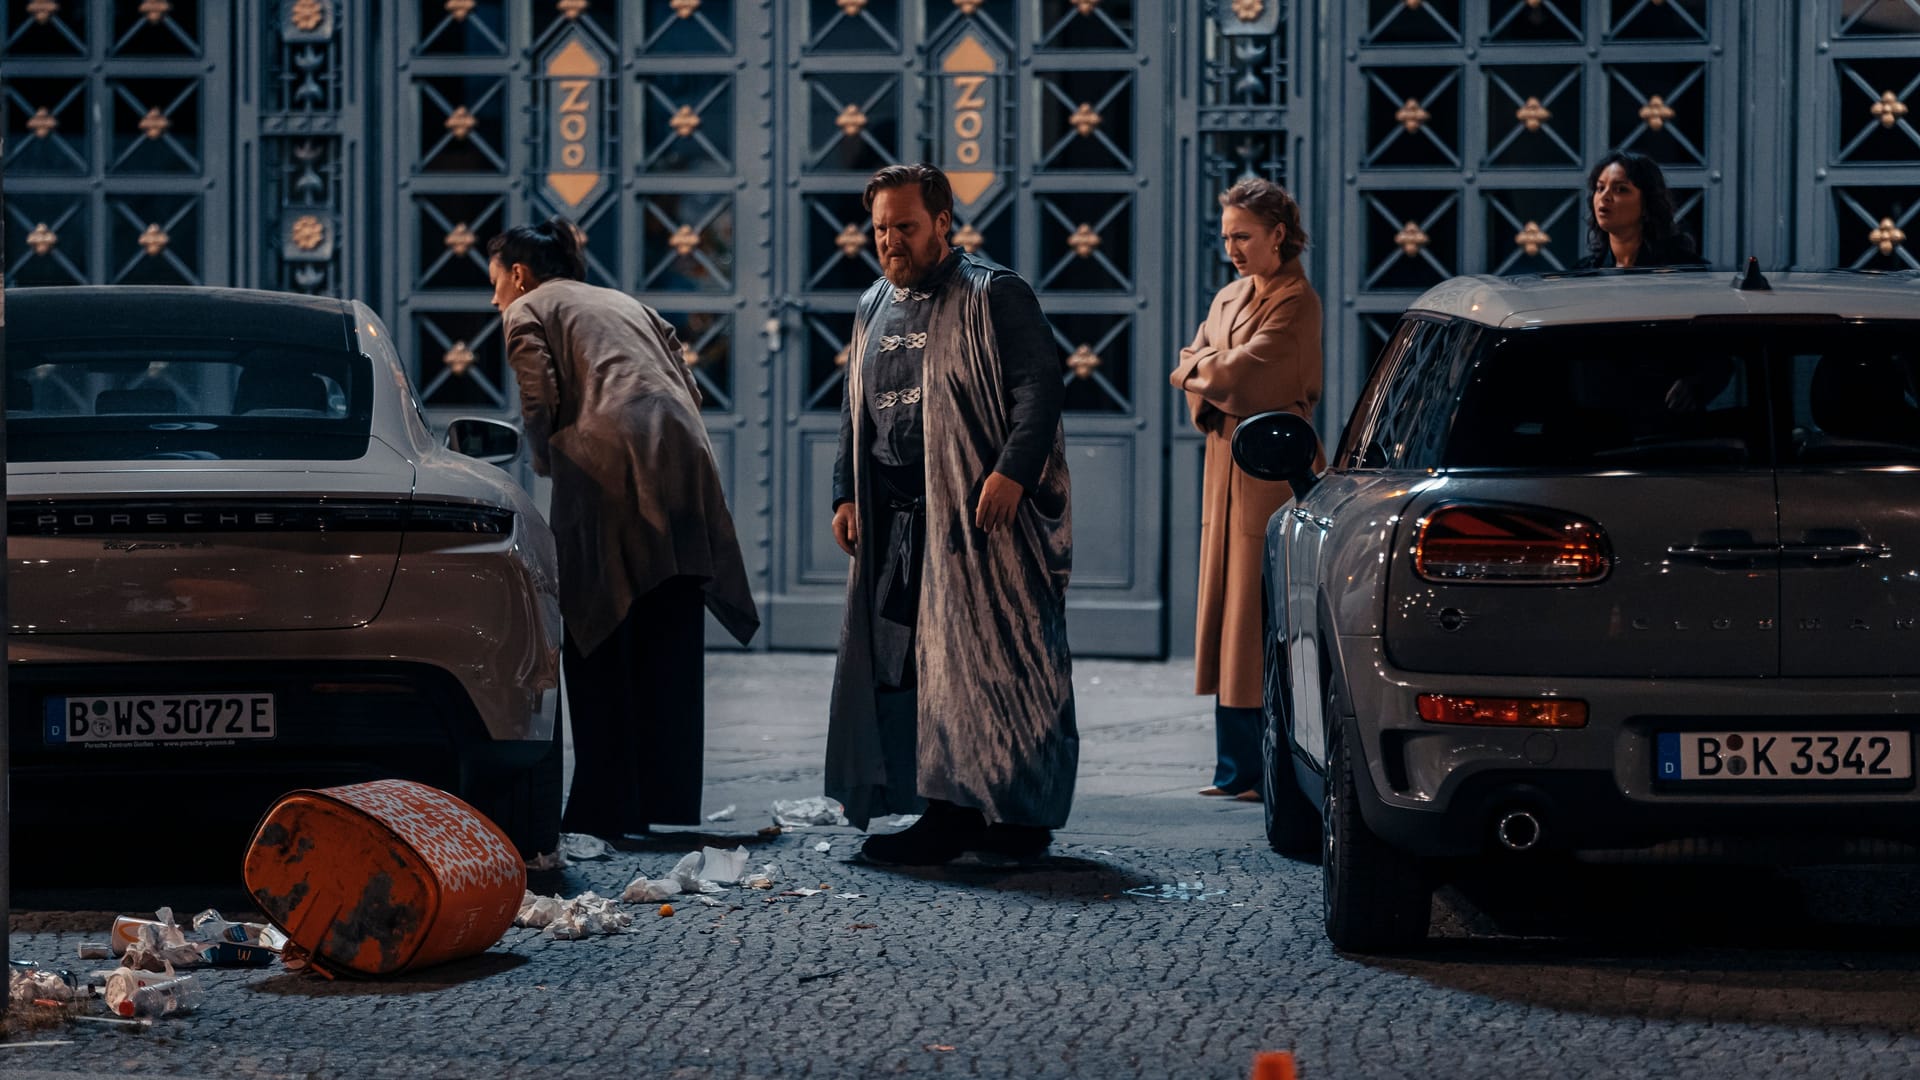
column 1440, row 790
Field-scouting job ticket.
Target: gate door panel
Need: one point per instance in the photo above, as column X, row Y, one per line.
column 1466, row 128
column 1859, row 169
column 117, row 139
column 1048, row 116
column 645, row 123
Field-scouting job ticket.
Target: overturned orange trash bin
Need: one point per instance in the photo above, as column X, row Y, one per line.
column 383, row 877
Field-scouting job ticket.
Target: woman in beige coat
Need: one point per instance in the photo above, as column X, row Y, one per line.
column 1258, row 350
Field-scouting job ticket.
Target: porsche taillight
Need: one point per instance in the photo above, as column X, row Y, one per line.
column 1507, row 544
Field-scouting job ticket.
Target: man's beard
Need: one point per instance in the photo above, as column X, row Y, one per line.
column 915, row 269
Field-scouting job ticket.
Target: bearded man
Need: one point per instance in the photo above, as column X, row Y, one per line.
column 953, row 694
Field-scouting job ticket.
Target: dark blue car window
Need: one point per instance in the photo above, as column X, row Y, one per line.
column 1854, row 393
column 107, row 399
column 1636, row 397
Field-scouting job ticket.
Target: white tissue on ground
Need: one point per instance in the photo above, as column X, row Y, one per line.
column 800, row 813
column 725, row 813
column 705, row 871
column 585, row 915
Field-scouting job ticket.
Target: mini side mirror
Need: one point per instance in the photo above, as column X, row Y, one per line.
column 1277, row 446
column 492, row 441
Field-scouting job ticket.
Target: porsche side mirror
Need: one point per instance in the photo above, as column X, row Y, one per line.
column 491, row 441
column 1277, row 446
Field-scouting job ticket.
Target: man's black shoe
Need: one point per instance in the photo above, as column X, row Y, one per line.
column 943, row 834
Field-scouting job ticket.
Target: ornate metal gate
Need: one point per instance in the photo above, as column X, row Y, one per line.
column 714, row 151
column 1464, row 129
column 1048, row 114
column 117, row 130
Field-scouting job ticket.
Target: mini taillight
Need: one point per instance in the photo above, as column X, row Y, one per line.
column 1510, row 544
column 1502, row 712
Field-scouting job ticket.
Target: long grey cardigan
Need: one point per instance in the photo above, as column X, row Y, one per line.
column 614, row 417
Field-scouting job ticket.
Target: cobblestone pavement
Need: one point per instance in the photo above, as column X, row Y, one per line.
column 1161, row 939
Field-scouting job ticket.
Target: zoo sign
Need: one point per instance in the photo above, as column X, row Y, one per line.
column 967, row 135
column 575, row 112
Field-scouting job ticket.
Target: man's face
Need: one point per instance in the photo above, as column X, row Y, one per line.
column 910, row 240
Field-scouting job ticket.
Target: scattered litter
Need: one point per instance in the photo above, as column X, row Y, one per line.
column 1238, row 905
column 864, row 926
column 27, row 980
column 901, row 821
column 804, row 892
column 42, row 1042
column 800, row 813
column 1103, row 851
column 940, row 1048
column 725, row 813
column 764, row 879
column 568, row 920
column 95, row 950
column 823, row 847
column 710, row 901
column 853, row 896
column 159, row 943
column 666, row 911
column 1173, row 891
column 582, row 846
column 130, row 992
column 1095, row 681
column 574, row 847
column 823, row 975
column 705, row 871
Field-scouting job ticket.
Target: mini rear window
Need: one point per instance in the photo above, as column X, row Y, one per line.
column 1648, row 396
column 96, row 399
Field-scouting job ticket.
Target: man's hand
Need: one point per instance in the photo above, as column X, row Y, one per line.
column 846, row 527
column 999, row 498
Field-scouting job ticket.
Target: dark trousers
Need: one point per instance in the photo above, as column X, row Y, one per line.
column 1236, row 740
column 637, row 704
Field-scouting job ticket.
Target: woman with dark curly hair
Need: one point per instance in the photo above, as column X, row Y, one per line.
column 1631, row 219
column 1259, row 349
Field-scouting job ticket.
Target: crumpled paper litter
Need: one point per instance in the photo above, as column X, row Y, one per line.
column 800, row 813
column 586, row 915
column 705, row 871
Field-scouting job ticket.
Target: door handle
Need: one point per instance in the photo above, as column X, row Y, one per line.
column 1724, row 556
column 1835, row 554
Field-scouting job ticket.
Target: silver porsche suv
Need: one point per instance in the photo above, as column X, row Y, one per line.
column 1620, row 564
column 239, row 563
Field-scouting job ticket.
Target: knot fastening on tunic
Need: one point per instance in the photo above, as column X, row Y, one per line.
column 887, row 399
column 910, row 294
column 891, row 342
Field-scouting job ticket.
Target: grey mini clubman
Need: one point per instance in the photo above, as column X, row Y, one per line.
column 1622, row 562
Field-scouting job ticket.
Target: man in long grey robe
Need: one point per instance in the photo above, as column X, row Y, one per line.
column 953, row 695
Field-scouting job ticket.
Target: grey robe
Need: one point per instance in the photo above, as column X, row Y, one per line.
column 996, row 726
column 614, row 417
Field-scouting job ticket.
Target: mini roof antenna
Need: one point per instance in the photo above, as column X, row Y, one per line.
column 1753, row 280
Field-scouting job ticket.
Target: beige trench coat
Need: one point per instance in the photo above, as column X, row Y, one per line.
column 614, row 417
column 1257, row 351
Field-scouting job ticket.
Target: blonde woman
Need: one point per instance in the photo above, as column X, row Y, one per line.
column 1258, row 350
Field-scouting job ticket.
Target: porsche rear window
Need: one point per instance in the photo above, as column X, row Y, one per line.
column 114, row 400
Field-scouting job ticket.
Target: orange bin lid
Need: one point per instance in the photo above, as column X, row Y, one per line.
column 383, row 877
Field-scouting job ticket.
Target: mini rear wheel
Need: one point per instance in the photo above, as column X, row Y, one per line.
column 1377, row 898
column 1293, row 824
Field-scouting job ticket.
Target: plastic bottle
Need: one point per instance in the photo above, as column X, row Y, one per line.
column 139, row 993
